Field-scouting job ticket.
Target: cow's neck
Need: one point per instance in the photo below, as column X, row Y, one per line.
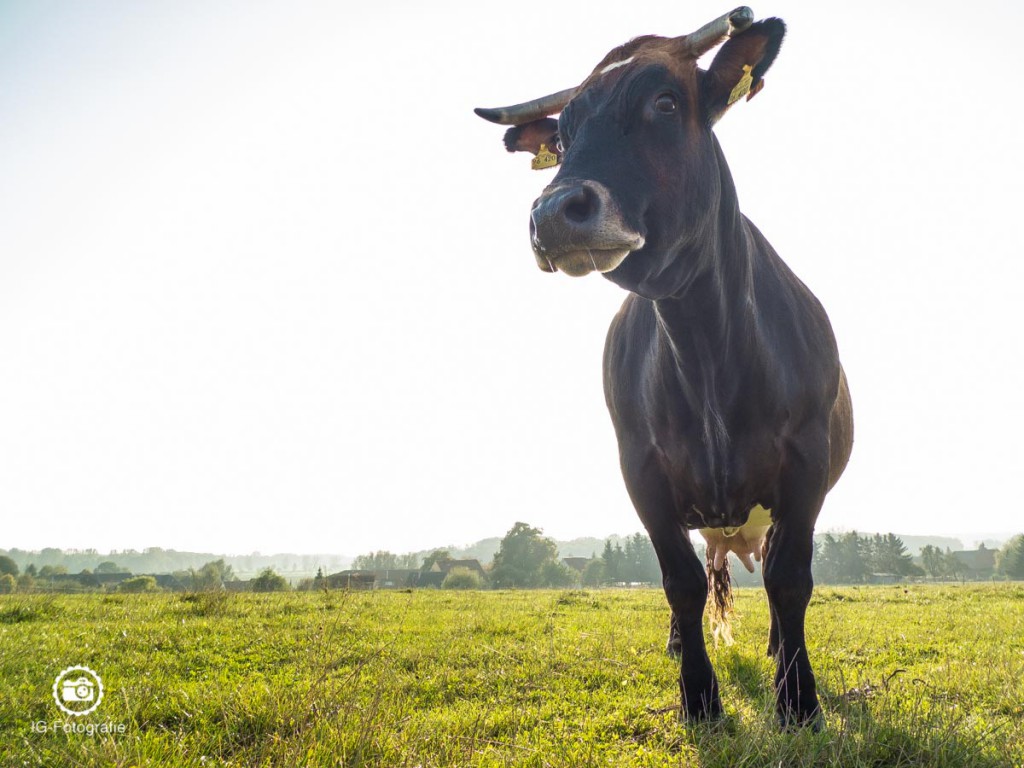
column 708, row 319
column 711, row 332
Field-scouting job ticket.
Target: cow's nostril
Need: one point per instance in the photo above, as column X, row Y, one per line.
column 581, row 206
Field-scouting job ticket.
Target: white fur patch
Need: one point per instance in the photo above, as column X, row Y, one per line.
column 616, row 65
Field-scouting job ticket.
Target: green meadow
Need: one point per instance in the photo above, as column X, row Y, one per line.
column 909, row 676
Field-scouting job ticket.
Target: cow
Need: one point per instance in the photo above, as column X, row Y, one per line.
column 721, row 369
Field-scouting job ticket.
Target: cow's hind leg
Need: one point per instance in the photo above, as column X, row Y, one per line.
column 773, row 626
column 686, row 587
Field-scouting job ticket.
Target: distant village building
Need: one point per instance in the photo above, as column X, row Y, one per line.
column 979, row 563
column 438, row 572
column 401, row 578
column 447, row 566
column 386, row 578
column 169, row 581
column 577, row 563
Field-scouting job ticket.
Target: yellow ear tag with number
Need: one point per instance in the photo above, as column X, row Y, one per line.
column 545, row 159
column 742, row 87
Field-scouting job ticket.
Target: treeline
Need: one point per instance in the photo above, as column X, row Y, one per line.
column 107, row 576
column 160, row 560
column 850, row 558
column 525, row 558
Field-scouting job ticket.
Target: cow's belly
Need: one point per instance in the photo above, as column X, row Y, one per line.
column 746, row 541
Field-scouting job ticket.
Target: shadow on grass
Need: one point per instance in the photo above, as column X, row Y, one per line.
column 894, row 724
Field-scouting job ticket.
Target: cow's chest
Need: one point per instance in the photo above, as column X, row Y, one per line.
column 718, row 467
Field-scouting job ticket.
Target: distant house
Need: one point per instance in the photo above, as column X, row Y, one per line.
column 577, row 563
column 395, row 578
column 438, row 572
column 63, row 582
column 979, row 563
column 110, row 579
column 168, row 581
column 431, row 578
column 386, row 578
column 447, row 566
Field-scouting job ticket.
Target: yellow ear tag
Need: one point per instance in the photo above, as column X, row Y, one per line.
column 742, row 87
column 545, row 159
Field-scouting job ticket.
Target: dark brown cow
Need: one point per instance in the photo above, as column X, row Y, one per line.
column 721, row 370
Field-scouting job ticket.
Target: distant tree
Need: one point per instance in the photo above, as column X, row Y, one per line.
column 51, row 570
column 211, row 576
column 640, row 561
column 888, row 554
column 842, row 559
column 319, row 581
column 954, row 567
column 437, row 556
column 853, row 552
column 1010, row 559
column 555, row 573
column 409, row 561
column 138, row 584
column 521, row 557
column 462, row 578
column 933, row 561
column 269, row 581
column 593, row 573
column 376, row 561
column 26, row 582
column 7, row 584
column 612, row 558
column 31, row 570
column 8, row 566
column 108, row 566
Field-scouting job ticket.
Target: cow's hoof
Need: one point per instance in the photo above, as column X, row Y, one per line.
column 790, row 719
column 703, row 710
column 712, row 715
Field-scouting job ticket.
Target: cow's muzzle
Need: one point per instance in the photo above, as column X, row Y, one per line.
column 576, row 228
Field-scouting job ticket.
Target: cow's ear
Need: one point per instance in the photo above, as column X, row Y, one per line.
column 530, row 136
column 739, row 67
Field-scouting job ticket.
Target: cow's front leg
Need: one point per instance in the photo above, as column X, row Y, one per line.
column 686, row 587
column 787, row 579
column 675, row 644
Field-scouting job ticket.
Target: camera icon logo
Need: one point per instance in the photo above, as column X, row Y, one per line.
column 77, row 691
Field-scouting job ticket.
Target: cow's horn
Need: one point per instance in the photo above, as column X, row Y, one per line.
column 528, row 111
column 707, row 37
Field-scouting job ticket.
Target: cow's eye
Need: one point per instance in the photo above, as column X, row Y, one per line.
column 666, row 104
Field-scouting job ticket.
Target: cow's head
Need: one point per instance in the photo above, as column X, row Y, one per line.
column 639, row 186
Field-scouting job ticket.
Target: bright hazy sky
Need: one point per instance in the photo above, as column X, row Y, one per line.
column 265, row 280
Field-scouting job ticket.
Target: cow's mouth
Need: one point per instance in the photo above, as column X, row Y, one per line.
column 576, row 227
column 583, row 261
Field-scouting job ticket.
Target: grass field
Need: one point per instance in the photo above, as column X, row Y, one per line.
column 918, row 676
